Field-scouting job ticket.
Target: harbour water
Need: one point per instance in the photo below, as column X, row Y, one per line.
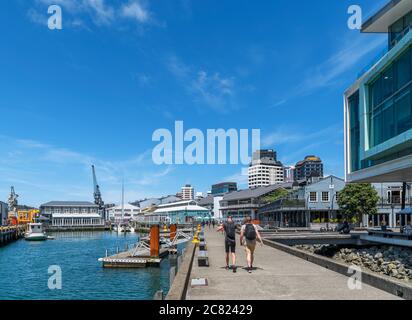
column 24, row 269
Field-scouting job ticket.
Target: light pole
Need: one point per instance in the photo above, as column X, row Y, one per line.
column 331, row 187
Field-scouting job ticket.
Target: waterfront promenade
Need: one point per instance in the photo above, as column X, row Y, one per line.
column 279, row 276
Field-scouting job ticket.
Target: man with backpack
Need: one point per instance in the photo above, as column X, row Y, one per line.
column 248, row 235
column 230, row 241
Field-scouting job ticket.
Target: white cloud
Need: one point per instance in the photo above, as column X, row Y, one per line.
column 211, row 89
column 43, row 172
column 136, row 11
column 333, row 69
column 102, row 13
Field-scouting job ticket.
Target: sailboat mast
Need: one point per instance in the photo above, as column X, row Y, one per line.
column 122, row 200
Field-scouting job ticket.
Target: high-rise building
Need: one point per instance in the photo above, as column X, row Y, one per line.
column 188, row 192
column 311, row 166
column 378, row 106
column 224, row 187
column 265, row 169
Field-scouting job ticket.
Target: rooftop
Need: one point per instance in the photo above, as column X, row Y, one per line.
column 69, row 204
column 386, row 16
column 180, row 208
column 75, row 215
column 255, row 192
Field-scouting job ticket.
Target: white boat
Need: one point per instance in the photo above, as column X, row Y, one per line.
column 35, row 232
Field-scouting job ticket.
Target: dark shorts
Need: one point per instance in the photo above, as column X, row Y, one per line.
column 230, row 245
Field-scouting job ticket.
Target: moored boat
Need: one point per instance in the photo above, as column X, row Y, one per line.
column 35, row 232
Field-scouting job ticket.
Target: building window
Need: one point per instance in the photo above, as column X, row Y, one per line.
column 325, row 196
column 390, row 109
column 313, row 196
column 354, row 128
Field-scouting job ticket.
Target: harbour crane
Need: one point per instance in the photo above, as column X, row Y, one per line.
column 97, row 194
column 13, row 200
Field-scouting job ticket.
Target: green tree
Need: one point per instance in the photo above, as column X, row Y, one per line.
column 357, row 199
column 275, row 195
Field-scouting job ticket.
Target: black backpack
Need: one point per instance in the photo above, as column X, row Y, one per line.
column 230, row 230
column 250, row 232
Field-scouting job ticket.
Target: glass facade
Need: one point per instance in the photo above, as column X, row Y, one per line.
column 354, row 128
column 390, row 100
column 399, row 29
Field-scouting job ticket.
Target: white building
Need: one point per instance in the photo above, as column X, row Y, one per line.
column 129, row 212
column 72, row 215
column 178, row 212
column 76, row 221
column 265, row 170
column 188, row 192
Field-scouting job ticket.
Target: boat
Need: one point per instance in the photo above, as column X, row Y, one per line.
column 35, row 232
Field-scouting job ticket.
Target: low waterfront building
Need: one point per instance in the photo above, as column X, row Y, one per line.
column 265, row 169
column 119, row 214
column 147, row 205
column 305, row 204
column 178, row 212
column 4, row 211
column 389, row 206
column 309, row 167
column 76, row 221
column 212, row 203
column 71, row 215
column 243, row 203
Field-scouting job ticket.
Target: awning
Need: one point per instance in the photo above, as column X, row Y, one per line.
column 406, row 211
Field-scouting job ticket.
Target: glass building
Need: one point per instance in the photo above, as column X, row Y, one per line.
column 223, row 188
column 378, row 107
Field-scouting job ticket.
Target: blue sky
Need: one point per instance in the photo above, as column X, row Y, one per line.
column 95, row 91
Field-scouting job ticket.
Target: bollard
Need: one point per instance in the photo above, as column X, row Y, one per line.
column 154, row 241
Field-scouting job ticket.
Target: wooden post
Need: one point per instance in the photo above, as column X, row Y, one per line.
column 173, row 229
column 154, row 241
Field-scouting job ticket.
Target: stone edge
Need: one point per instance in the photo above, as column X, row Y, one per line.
column 180, row 284
column 378, row 281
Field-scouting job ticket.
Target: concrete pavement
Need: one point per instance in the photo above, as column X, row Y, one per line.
column 279, row 276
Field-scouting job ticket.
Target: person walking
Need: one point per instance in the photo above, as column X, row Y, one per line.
column 248, row 235
column 229, row 228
